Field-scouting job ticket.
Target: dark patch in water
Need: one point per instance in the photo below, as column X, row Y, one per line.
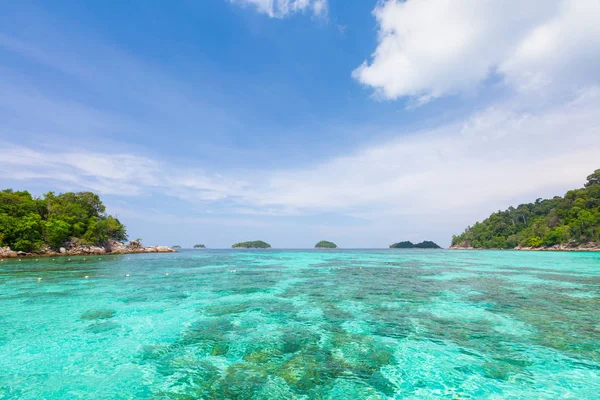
column 98, row 314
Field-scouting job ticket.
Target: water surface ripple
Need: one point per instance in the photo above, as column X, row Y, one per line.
column 285, row 324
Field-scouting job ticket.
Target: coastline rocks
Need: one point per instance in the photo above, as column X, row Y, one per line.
column 6, row 252
column 466, row 245
column 116, row 247
column 77, row 249
column 591, row 246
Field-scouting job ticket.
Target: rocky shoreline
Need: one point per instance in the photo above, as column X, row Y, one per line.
column 592, row 246
column 76, row 249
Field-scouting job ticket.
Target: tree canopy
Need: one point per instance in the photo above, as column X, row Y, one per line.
column 324, row 244
column 409, row 245
column 570, row 220
column 28, row 223
column 402, row 245
column 427, row 244
column 199, row 246
column 256, row 244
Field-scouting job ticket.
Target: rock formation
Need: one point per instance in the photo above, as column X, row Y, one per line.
column 77, row 249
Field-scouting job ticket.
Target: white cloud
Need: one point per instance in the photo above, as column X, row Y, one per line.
column 493, row 157
column 474, row 167
column 284, row 8
column 562, row 51
column 108, row 173
column 432, row 48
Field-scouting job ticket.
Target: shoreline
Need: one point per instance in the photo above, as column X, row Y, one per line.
column 550, row 249
column 111, row 248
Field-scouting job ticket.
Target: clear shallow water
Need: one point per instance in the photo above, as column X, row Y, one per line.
column 364, row 324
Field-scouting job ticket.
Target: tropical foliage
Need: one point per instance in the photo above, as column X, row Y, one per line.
column 28, row 223
column 409, row 245
column 324, row 244
column 176, row 247
column 199, row 246
column 256, row 244
column 570, row 220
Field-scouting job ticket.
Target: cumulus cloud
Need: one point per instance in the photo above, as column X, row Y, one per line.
column 431, row 48
column 284, row 8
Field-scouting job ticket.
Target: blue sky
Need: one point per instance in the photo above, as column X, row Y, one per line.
column 294, row 121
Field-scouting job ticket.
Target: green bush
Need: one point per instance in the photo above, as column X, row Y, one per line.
column 534, row 241
column 28, row 223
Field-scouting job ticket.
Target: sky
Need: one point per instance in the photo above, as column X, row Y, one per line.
column 293, row 121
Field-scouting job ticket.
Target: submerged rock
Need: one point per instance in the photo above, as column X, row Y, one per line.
column 98, row 314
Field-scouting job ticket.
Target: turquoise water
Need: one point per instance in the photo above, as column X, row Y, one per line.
column 370, row 324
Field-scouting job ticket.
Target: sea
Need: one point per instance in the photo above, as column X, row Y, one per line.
column 302, row 324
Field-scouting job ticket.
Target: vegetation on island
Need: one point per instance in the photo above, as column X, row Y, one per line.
column 324, row 244
column 256, row 244
column 29, row 223
column 176, row 247
column 409, row 245
column 199, row 246
column 402, row 245
column 571, row 220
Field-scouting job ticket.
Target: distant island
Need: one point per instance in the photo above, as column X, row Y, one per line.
column 62, row 224
column 256, row 244
column 571, row 222
column 176, row 247
column 324, row 244
column 199, row 246
column 409, row 245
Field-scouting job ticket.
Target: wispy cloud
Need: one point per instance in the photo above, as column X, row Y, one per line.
column 112, row 173
column 285, row 8
column 493, row 156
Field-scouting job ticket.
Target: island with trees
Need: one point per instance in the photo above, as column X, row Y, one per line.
column 571, row 222
column 176, row 247
column 199, row 246
column 409, row 245
column 57, row 224
column 256, row 244
column 324, row 244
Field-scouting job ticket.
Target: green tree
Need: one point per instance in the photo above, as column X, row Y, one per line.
column 28, row 223
column 534, row 241
column 402, row 245
column 29, row 233
column 57, row 232
column 570, row 220
column 593, row 179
